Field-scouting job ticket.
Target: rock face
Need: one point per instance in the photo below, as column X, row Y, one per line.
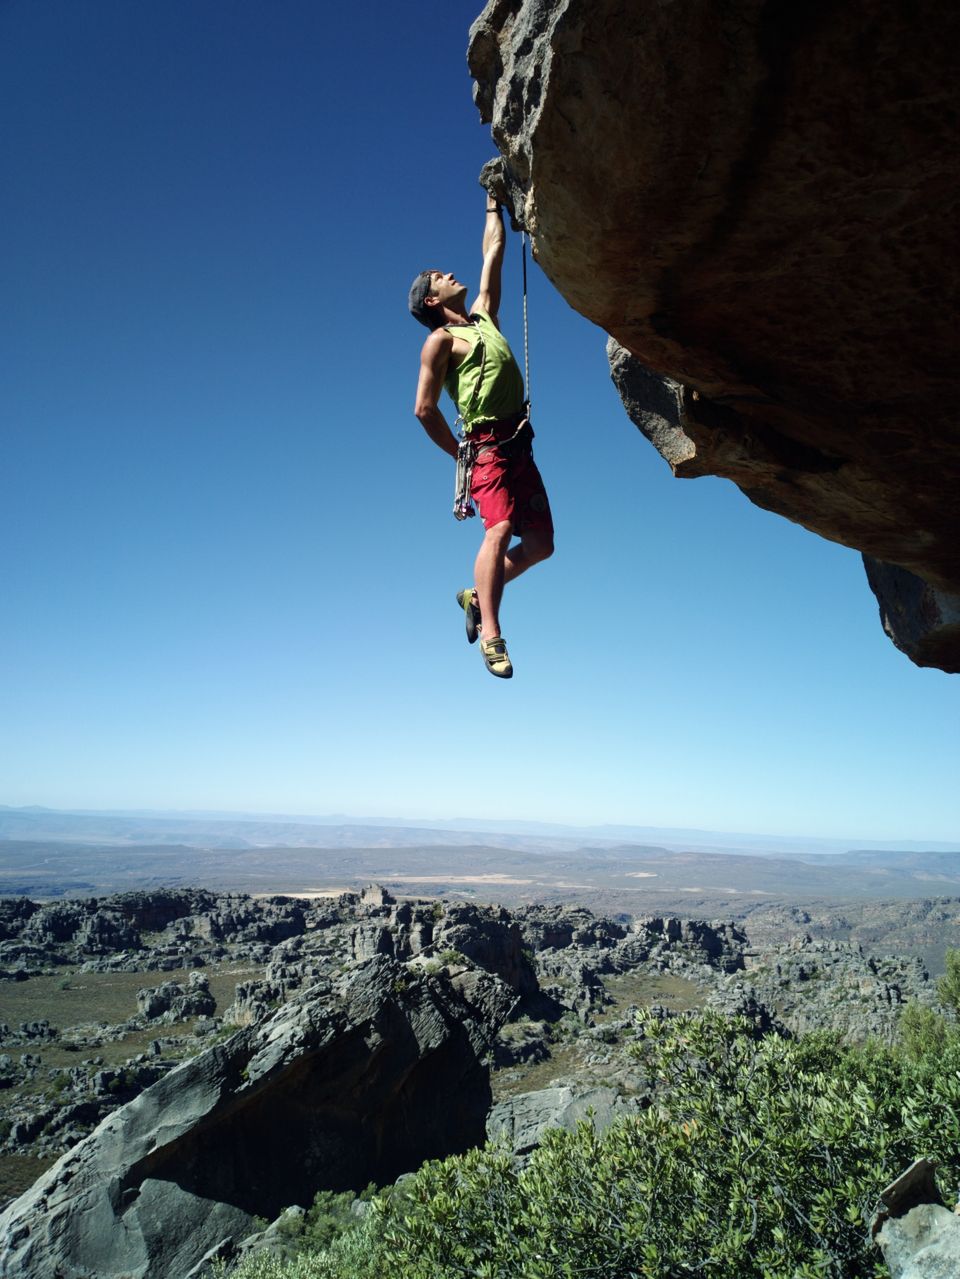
column 489, row 938
column 922, row 621
column 926, row 927
column 919, row 1237
column 521, row 1121
column 923, row 1244
column 815, row 985
column 757, row 202
column 358, row 1081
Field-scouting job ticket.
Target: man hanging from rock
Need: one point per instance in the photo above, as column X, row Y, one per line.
column 467, row 354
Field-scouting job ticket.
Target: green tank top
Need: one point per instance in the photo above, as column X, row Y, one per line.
column 487, row 385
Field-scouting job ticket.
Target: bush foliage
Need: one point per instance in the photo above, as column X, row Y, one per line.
column 758, row 1158
column 948, row 987
column 923, row 1032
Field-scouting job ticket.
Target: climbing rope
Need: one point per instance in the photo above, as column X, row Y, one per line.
column 526, row 326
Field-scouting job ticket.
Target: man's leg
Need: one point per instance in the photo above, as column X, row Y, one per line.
column 496, row 566
column 489, row 575
column 498, row 563
column 533, row 547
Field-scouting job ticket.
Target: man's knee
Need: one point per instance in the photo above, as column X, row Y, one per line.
column 499, row 534
column 538, row 547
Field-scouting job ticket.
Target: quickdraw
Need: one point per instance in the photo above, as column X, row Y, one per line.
column 462, row 502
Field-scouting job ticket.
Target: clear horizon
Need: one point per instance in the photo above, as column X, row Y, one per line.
column 228, row 560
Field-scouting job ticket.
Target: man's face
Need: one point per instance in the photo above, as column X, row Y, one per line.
column 445, row 287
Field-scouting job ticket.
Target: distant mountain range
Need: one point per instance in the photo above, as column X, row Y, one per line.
column 250, row 830
column 47, row 853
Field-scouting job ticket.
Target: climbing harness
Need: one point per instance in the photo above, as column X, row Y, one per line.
column 467, row 451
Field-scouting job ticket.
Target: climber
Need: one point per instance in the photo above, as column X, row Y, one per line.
column 467, row 354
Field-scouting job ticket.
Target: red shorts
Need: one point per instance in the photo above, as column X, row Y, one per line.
column 507, row 485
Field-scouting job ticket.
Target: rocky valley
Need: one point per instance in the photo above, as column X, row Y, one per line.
column 164, row 1051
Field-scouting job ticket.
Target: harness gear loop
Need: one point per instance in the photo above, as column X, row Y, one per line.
column 466, row 456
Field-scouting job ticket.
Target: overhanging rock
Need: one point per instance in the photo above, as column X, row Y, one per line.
column 757, row 200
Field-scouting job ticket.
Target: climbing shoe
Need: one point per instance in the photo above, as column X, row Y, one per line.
column 468, row 602
column 496, row 658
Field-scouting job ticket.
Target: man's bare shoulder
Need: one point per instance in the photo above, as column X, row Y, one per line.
column 442, row 347
column 437, row 348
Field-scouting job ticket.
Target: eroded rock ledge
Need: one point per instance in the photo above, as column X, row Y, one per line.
column 756, row 200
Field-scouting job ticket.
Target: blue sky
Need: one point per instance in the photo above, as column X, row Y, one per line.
column 228, row 559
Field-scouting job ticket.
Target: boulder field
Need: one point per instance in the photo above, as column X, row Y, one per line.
column 378, row 1034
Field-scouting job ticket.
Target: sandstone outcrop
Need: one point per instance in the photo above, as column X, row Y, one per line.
column 14, row 914
column 490, row 938
column 173, row 1001
column 557, row 927
column 824, row 985
column 757, row 203
column 351, row 1082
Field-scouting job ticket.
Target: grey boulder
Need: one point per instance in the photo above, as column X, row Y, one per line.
column 922, row 1244
column 521, row 1121
column 345, row 1084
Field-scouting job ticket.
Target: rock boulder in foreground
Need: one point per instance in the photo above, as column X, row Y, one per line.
column 919, row 1237
column 922, row 1244
column 362, row 1080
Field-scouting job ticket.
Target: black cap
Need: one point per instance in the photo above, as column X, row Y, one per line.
column 418, row 291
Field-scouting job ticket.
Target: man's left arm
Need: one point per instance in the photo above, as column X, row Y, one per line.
column 494, row 239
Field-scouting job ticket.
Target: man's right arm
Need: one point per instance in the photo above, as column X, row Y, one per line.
column 433, row 369
column 488, row 298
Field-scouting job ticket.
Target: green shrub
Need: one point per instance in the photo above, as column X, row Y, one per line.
column 354, row 1249
column 756, row 1159
column 453, row 957
column 328, row 1216
column 948, row 987
column 923, row 1032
